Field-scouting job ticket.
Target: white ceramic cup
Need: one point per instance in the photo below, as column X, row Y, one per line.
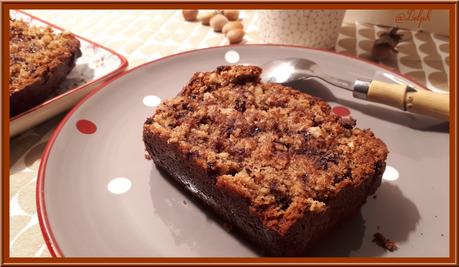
column 312, row 28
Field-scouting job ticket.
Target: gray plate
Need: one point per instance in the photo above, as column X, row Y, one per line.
column 99, row 196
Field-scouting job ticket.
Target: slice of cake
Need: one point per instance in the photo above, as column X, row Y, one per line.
column 270, row 160
column 39, row 61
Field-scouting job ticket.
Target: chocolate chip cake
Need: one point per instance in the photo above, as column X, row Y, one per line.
column 39, row 61
column 272, row 161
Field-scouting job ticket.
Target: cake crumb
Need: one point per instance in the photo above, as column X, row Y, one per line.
column 147, row 156
column 228, row 227
column 374, row 196
column 442, row 235
column 384, row 242
column 184, row 202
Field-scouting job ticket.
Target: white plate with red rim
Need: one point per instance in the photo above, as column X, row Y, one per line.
column 97, row 195
column 96, row 64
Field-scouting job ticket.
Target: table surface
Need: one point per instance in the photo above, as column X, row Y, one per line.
column 145, row 35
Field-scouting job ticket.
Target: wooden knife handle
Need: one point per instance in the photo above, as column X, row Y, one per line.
column 407, row 98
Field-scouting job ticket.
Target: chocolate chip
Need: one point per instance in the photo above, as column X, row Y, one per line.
column 239, row 153
column 282, row 199
column 347, row 123
column 220, row 69
column 253, row 130
column 172, row 125
column 322, row 197
column 219, row 146
column 322, row 163
column 332, row 158
column 379, row 166
column 149, row 121
column 262, row 207
column 301, row 150
column 314, row 122
column 210, row 88
column 245, row 78
column 240, row 105
column 233, row 171
column 276, row 128
column 180, row 114
column 205, row 120
column 281, row 146
column 348, row 173
column 337, row 178
column 279, row 102
column 187, row 106
column 228, row 131
column 211, row 169
column 304, row 177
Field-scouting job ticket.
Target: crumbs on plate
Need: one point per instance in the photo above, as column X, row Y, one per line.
column 384, row 242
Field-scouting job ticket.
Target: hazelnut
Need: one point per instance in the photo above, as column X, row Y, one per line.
column 190, row 14
column 232, row 25
column 235, row 36
column 231, row 14
column 205, row 18
column 217, row 22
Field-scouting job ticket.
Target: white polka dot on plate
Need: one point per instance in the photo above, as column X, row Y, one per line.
column 151, row 101
column 119, row 185
column 390, row 174
column 232, row 56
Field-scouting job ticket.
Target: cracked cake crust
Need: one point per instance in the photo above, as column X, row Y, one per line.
column 272, row 161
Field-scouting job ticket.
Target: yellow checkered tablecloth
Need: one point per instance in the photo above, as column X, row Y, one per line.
column 145, row 35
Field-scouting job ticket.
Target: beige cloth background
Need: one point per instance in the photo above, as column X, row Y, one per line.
column 144, row 35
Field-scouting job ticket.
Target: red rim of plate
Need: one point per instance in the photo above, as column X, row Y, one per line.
column 40, row 193
column 123, row 65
